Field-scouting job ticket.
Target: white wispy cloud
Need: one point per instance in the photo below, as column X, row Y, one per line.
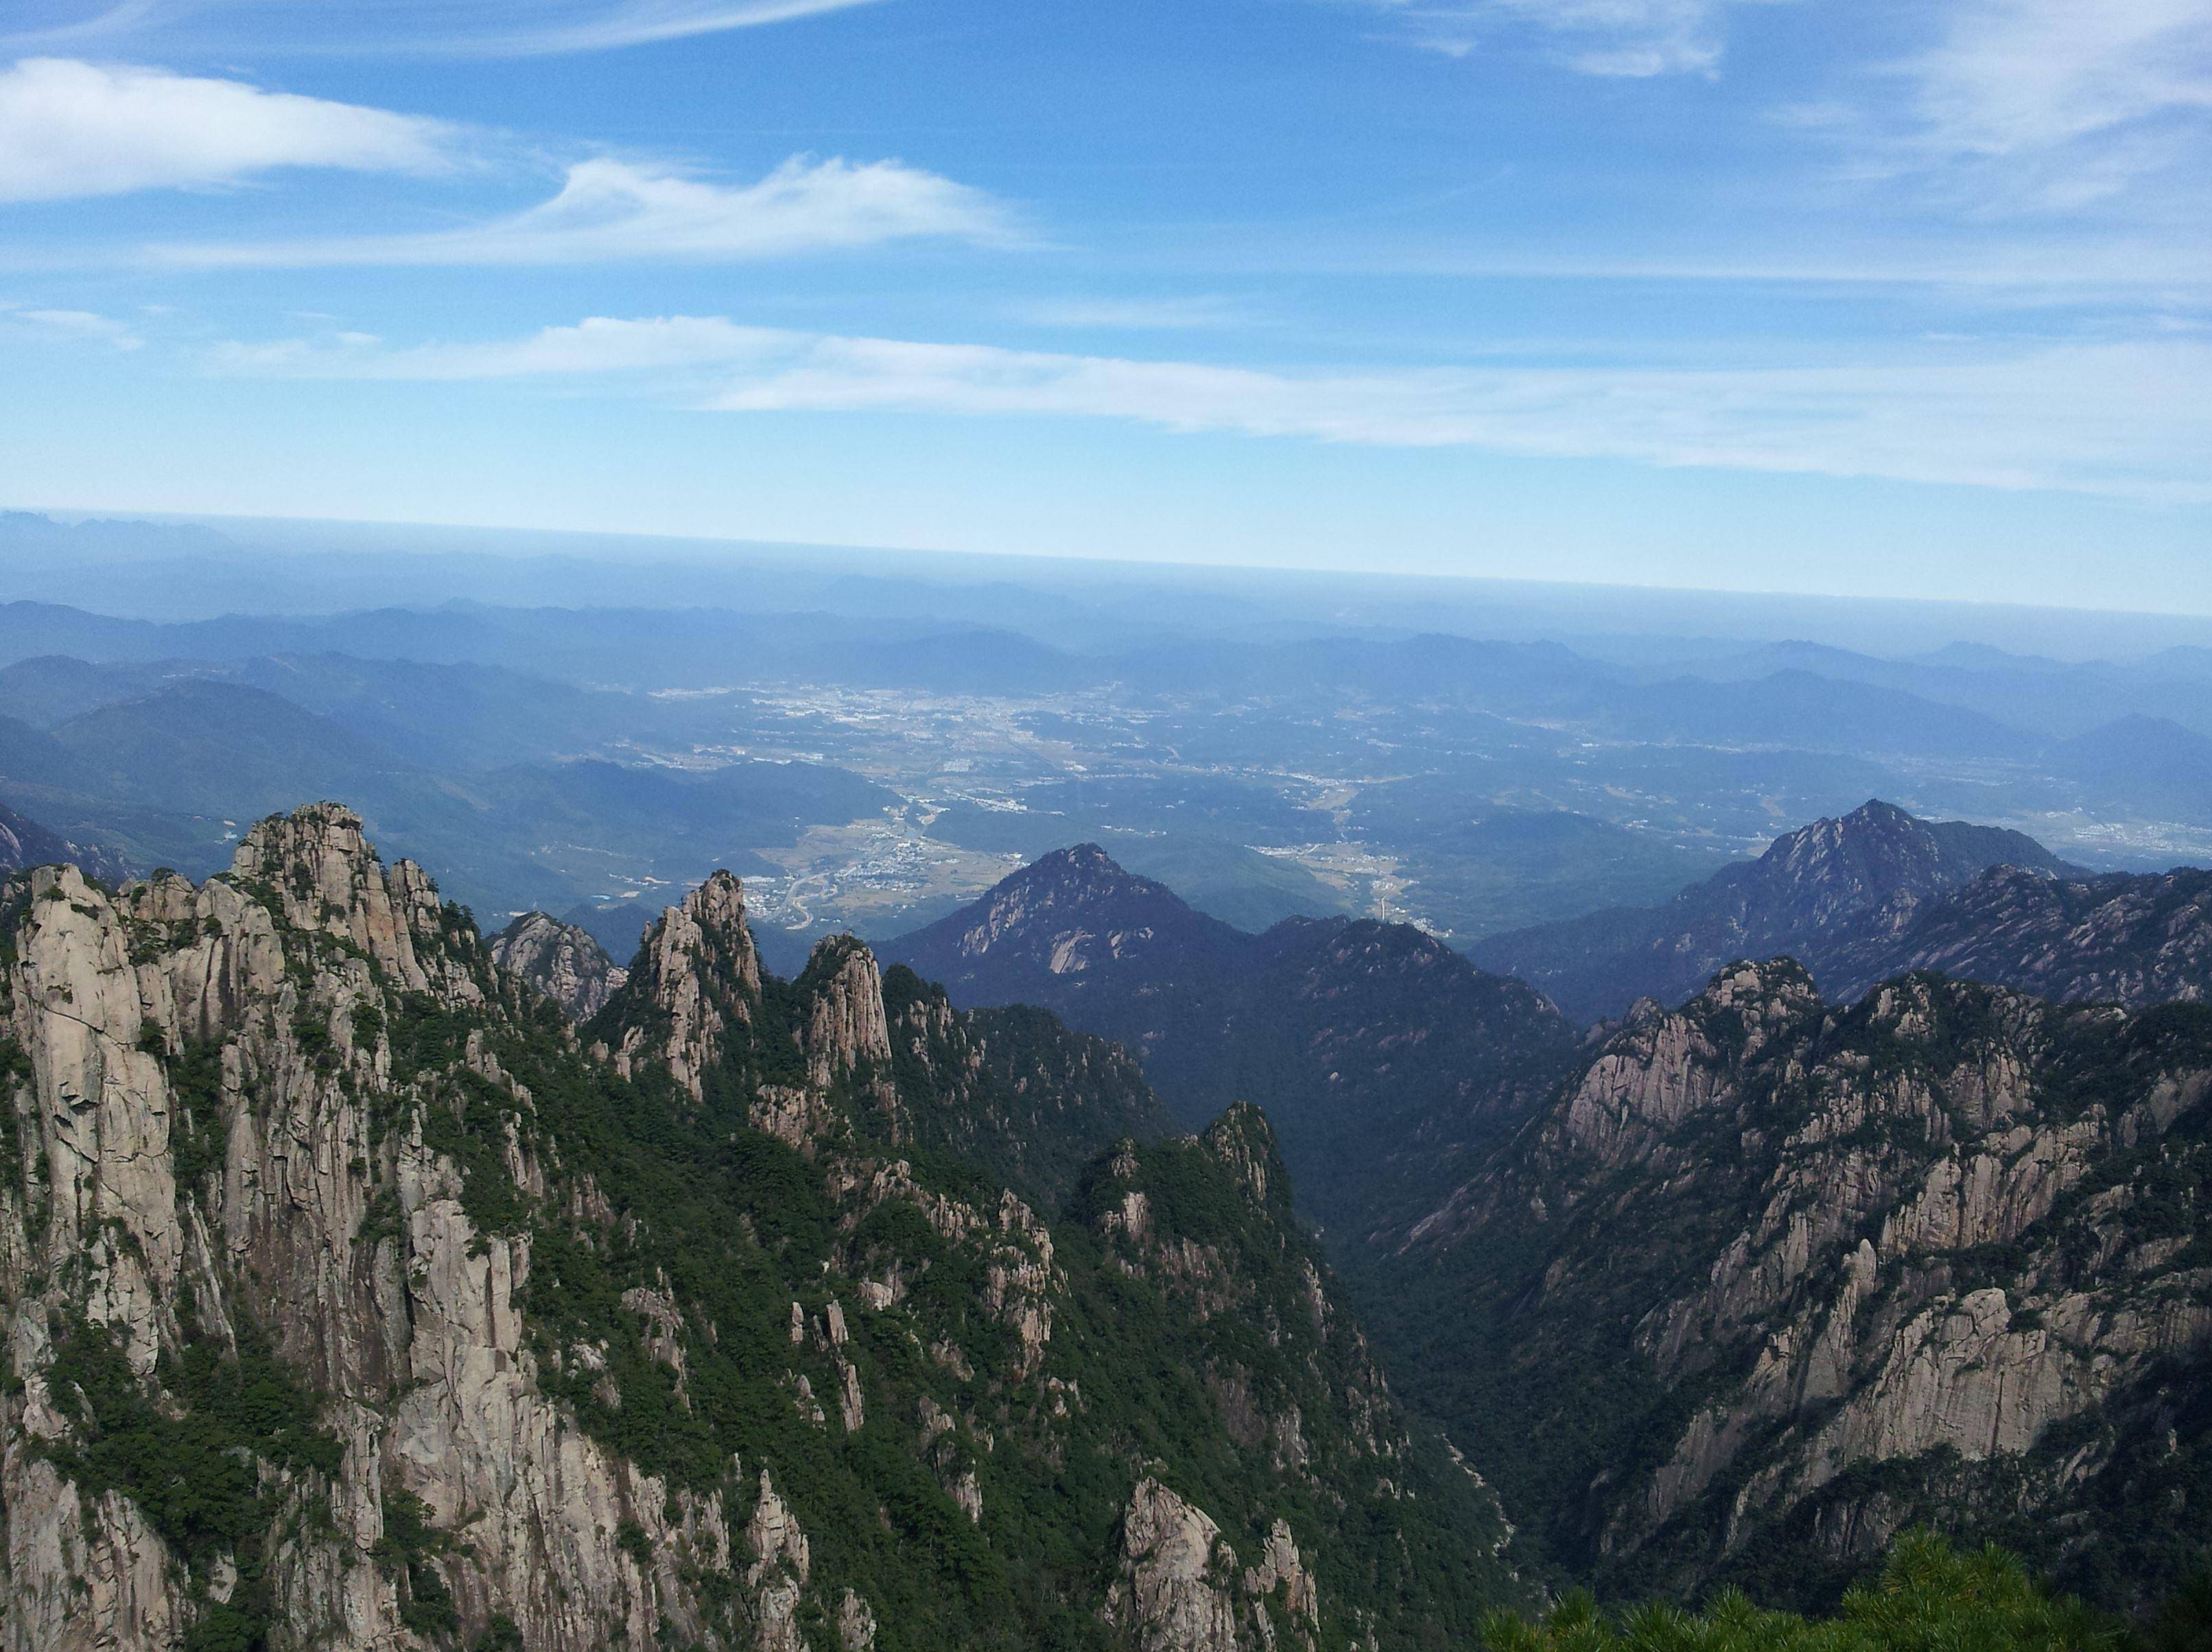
column 76, row 324
column 1631, row 38
column 599, row 28
column 2014, row 75
column 399, row 28
column 2127, row 419
column 2046, row 107
column 68, row 128
column 610, row 210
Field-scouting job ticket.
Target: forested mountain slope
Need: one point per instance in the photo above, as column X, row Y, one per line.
column 1383, row 1057
column 1770, row 1279
column 353, row 1298
column 24, row 843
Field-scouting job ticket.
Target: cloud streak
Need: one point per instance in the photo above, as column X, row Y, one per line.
column 2015, row 76
column 1635, row 39
column 76, row 324
column 458, row 28
column 2043, row 108
column 610, row 210
column 71, row 129
column 2128, row 420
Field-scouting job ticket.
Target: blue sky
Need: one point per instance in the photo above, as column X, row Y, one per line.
column 1776, row 295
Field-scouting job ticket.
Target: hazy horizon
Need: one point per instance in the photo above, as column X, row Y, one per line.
column 1884, row 624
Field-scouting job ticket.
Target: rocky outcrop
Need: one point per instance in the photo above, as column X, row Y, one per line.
column 1175, row 1588
column 199, row 1077
column 1925, row 1253
column 1180, row 1587
column 2136, row 939
column 697, row 983
column 847, row 1030
column 561, row 961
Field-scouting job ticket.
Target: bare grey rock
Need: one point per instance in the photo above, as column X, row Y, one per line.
column 560, row 960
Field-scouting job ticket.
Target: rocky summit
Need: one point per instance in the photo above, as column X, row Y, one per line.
column 1823, row 894
column 356, row 1298
column 562, row 961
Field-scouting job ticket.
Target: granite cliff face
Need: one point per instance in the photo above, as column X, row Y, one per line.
column 562, row 961
column 1386, row 1060
column 1771, row 1280
column 2131, row 938
column 353, row 1298
column 1817, row 894
column 233, row 1236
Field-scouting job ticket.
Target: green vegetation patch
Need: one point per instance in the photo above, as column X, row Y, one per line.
column 193, row 1465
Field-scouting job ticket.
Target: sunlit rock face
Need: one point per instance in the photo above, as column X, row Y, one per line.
column 1916, row 1258
column 562, row 961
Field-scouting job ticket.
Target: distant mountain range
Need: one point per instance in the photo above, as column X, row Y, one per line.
column 1833, row 890
column 171, row 762
column 24, row 843
column 1378, row 1051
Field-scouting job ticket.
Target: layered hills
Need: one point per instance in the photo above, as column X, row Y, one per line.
column 1878, row 893
column 1738, row 1291
column 354, row 1297
column 1380, row 1053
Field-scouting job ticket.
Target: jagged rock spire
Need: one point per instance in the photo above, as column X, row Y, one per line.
column 698, row 976
column 324, row 876
column 847, row 1025
column 1244, row 1143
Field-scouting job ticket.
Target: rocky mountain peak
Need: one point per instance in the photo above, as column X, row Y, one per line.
column 1818, row 894
column 316, row 869
column 846, row 1026
column 560, row 960
column 1244, row 1143
column 1073, row 915
column 1085, row 865
column 1855, row 861
column 696, row 978
column 1377, row 1041
column 1663, row 1070
column 1878, row 850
